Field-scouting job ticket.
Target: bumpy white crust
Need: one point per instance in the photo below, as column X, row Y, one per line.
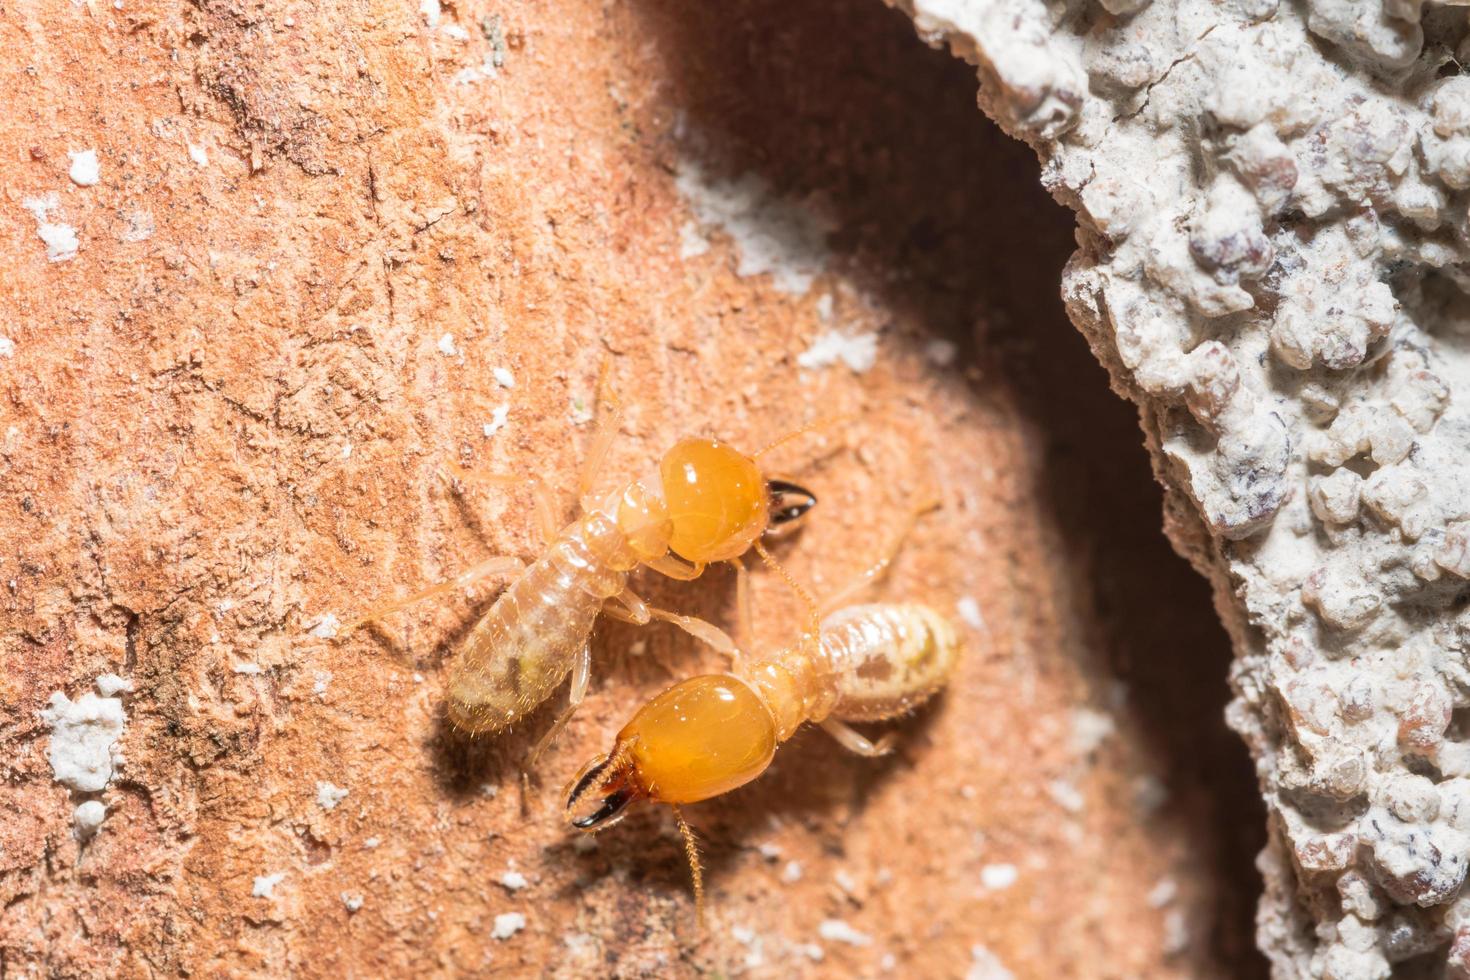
column 1272, row 201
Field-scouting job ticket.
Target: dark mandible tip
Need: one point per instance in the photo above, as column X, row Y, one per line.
column 612, row 808
column 789, row 501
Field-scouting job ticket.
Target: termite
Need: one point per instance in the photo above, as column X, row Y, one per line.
column 710, row 503
column 709, row 734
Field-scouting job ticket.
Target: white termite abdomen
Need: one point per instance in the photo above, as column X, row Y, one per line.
column 887, row 658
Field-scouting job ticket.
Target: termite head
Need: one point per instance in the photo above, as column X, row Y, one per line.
column 698, row 739
column 719, row 503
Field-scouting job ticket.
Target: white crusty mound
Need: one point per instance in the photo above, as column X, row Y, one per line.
column 1273, row 209
column 84, row 735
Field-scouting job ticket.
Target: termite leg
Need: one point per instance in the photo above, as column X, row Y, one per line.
column 499, row 565
column 548, row 508
column 602, row 438
column 674, row 568
column 854, row 741
column 581, row 675
column 628, row 607
column 635, row 610
column 705, row 632
column 743, row 616
column 875, row 571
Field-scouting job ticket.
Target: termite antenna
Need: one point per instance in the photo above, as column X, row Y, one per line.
column 696, row 870
column 605, row 391
column 609, row 414
column 813, row 618
column 921, row 505
column 820, row 423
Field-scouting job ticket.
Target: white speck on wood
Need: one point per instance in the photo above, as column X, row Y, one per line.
column 87, row 819
column 265, row 885
column 1162, row 893
column 1067, row 796
column 941, row 353
column 997, row 877
column 326, row 627
column 111, row 685
column 772, row 235
column 692, row 243
column 811, row 951
column 838, row 931
column 497, row 420
column 969, row 612
column 1149, row 793
column 507, row 924
column 485, row 71
column 984, row 965
column 748, row 937
column 1176, row 932
column 1090, row 728
column 825, row 306
column 60, row 239
column 328, row 795
column 85, row 169
column 858, row 351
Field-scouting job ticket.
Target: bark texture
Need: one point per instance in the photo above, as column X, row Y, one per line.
column 324, row 253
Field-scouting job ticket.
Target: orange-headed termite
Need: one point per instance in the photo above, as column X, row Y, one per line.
column 709, row 734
